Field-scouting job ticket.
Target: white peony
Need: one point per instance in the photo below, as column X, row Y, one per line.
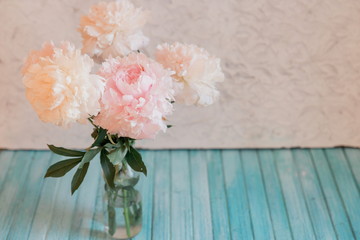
column 113, row 29
column 59, row 84
column 195, row 70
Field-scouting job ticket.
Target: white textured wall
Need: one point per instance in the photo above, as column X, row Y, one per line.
column 292, row 67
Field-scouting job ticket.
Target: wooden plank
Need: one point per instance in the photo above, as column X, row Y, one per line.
column 259, row 209
column 353, row 156
column 203, row 197
column 218, row 202
column 318, row 210
column 162, row 204
column 294, row 199
column 81, row 220
column 12, row 192
column 278, row 212
column 98, row 222
column 64, row 207
column 146, row 188
column 335, row 206
column 28, row 197
column 237, row 201
column 181, row 208
column 46, row 206
column 346, row 186
column 6, row 161
column 200, row 196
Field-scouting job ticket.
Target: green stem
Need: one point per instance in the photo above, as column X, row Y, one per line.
column 112, row 213
column 110, row 139
column 91, row 121
column 126, row 213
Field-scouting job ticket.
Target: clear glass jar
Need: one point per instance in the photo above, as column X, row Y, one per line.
column 123, row 209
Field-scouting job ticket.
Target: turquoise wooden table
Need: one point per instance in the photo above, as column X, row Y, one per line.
column 189, row 194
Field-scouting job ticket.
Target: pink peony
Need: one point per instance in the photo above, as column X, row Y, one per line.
column 137, row 97
column 59, row 84
column 195, row 70
column 113, row 29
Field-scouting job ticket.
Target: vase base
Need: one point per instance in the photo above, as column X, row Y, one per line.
column 121, row 232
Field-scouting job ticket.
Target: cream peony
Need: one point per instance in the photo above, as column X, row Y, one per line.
column 59, row 84
column 113, row 29
column 137, row 97
column 195, row 70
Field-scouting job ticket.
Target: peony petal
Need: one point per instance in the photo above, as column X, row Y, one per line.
column 115, row 27
column 59, row 83
column 143, row 92
column 196, row 72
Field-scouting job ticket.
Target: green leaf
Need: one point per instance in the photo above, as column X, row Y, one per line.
column 78, row 177
column 100, row 137
column 89, row 155
column 117, row 155
column 134, row 159
column 59, row 169
column 108, row 168
column 65, row 152
column 112, row 146
column 169, row 126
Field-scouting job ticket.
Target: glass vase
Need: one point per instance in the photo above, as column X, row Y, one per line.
column 122, row 204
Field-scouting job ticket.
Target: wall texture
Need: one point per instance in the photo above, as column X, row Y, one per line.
column 292, row 69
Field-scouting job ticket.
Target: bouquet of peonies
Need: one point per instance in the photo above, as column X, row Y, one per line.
column 127, row 99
